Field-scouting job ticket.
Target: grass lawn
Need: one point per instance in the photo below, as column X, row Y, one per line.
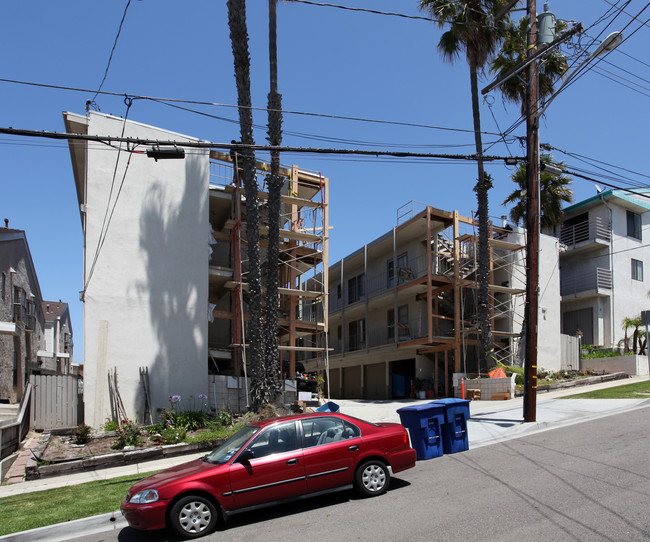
column 638, row 390
column 42, row 508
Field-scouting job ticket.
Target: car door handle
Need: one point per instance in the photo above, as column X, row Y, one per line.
column 354, row 448
column 293, row 461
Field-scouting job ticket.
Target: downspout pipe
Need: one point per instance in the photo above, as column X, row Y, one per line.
column 611, row 267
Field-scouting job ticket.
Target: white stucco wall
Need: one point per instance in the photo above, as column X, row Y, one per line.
column 146, row 301
column 630, row 296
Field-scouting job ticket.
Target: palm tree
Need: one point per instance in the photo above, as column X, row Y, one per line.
column 241, row 57
column 554, row 191
column 513, row 52
column 274, row 181
column 474, row 30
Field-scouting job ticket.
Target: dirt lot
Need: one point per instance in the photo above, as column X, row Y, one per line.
column 61, row 447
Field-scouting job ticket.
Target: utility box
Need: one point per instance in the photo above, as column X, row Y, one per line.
column 424, row 422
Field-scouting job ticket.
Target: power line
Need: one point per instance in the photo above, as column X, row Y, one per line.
column 364, row 10
column 218, row 104
column 110, row 58
column 239, row 146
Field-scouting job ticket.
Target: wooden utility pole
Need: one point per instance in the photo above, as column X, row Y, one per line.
column 532, row 221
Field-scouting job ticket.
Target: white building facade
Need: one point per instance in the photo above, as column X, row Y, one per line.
column 604, row 268
column 146, row 253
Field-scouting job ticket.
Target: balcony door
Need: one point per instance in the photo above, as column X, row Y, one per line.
column 580, row 320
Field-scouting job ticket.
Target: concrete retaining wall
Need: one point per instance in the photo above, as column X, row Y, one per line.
column 634, row 365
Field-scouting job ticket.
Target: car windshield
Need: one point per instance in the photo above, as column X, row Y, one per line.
column 228, row 449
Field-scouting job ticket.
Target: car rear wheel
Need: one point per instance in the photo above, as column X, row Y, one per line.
column 193, row 516
column 372, row 478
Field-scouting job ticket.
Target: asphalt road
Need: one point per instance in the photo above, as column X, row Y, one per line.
column 585, row 482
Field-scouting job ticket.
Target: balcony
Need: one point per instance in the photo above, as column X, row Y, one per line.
column 589, row 234
column 595, row 282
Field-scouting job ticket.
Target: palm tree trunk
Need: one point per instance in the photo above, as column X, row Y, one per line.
column 483, row 184
column 274, row 182
column 239, row 40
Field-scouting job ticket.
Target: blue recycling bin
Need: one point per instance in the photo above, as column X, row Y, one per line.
column 328, row 407
column 424, row 422
column 454, row 428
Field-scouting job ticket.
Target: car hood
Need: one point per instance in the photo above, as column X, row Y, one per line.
column 173, row 474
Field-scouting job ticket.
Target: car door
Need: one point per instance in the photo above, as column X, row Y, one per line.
column 331, row 449
column 276, row 471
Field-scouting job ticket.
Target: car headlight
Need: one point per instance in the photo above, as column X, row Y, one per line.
column 146, row 496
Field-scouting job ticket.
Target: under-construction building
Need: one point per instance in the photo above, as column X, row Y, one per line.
column 403, row 308
column 302, row 264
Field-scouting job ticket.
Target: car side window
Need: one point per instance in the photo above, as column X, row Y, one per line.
column 320, row 431
column 275, row 440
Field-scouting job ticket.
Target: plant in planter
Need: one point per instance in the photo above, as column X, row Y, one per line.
column 418, row 386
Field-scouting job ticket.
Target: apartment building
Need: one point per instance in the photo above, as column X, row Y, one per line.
column 21, row 318
column 605, row 265
column 58, row 345
column 165, row 267
column 403, row 308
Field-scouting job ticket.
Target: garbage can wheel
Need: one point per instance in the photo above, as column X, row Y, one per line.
column 372, row 478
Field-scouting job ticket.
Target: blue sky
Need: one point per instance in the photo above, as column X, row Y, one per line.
column 331, row 61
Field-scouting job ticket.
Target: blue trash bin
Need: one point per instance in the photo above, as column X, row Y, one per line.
column 328, row 407
column 454, row 429
column 424, row 422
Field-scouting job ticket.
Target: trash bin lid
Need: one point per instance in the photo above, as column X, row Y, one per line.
column 420, row 407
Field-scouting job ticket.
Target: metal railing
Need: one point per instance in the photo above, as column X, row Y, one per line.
column 13, row 431
column 595, row 229
column 597, row 279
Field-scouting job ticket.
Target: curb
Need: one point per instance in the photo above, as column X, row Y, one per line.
column 62, row 531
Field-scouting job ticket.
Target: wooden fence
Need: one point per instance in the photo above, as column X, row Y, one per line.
column 570, row 356
column 57, row 402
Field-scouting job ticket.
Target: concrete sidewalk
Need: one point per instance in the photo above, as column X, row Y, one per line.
column 490, row 422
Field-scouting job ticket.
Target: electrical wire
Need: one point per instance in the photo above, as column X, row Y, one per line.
column 103, row 232
column 110, row 58
column 217, row 104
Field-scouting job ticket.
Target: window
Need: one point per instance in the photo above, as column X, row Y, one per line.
column 402, row 322
column 275, row 440
column 338, row 291
column 637, row 270
column 19, row 295
column 357, row 335
column 15, row 381
column 390, row 274
column 633, row 225
column 4, row 285
column 404, row 272
column 321, row 431
column 30, row 314
column 356, row 288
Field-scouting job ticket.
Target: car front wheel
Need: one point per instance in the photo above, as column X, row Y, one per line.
column 372, row 478
column 193, row 516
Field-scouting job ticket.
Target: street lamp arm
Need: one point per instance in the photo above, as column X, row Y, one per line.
column 523, row 65
column 608, row 44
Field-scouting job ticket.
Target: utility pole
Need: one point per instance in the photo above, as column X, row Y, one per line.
column 532, row 222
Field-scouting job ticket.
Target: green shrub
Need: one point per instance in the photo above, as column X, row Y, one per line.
column 129, row 435
column 81, row 433
column 111, row 425
column 172, row 436
column 225, row 417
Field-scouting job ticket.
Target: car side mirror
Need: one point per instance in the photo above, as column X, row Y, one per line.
column 246, row 456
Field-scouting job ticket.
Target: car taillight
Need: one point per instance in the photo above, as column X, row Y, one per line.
column 406, row 437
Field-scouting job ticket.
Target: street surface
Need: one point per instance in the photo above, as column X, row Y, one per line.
column 588, row 481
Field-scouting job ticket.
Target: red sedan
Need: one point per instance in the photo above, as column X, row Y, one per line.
column 267, row 463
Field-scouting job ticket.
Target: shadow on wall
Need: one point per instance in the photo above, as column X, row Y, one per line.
column 174, row 239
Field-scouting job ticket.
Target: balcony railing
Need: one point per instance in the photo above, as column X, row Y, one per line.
column 575, row 283
column 595, row 229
